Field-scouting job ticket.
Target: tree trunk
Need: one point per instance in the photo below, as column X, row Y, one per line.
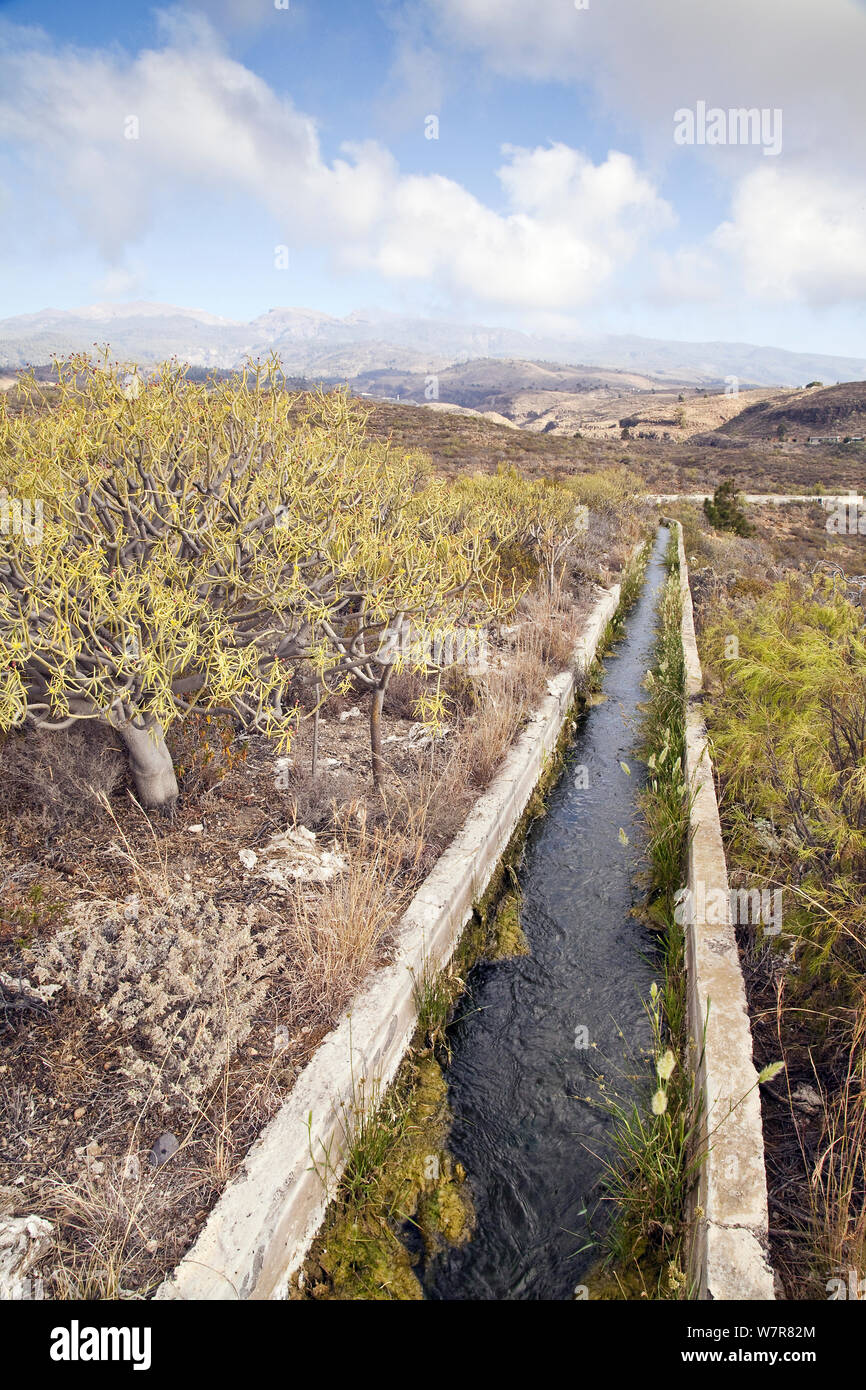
column 314, row 761
column 376, row 729
column 150, row 763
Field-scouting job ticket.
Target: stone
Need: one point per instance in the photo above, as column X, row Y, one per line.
column 24, row 1241
column 165, row 1146
column 807, row 1098
column 294, row 855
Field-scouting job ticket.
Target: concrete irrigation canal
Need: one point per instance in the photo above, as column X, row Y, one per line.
column 543, row 1036
column 536, row 1035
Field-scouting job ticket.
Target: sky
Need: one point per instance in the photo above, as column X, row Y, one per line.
column 531, row 163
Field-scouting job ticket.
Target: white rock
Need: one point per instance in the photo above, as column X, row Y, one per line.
column 195, row 829
column 294, row 855
column 248, row 858
column 807, row 1098
column 24, row 1241
column 349, row 714
column 420, row 736
column 16, row 984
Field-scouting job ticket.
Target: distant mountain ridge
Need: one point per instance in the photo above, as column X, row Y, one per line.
column 321, row 345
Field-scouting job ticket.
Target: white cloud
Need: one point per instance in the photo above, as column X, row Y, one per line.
column 119, row 282
column 111, row 136
column 796, row 232
column 570, row 231
column 644, row 60
column 797, row 235
column 200, row 120
column 572, row 225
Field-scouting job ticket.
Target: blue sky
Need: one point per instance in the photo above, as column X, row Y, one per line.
column 555, row 196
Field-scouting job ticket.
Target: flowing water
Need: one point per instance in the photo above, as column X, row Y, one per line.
column 521, row 1070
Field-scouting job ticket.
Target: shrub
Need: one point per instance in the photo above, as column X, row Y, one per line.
column 205, row 750
column 725, row 512
column 53, row 775
column 182, row 981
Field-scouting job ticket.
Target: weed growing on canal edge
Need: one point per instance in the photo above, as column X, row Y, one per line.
column 659, row 1148
column 435, row 992
column 632, row 584
column 655, row 1162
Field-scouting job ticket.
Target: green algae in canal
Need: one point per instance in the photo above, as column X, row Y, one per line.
column 360, row 1254
column 510, row 938
column 648, row 1276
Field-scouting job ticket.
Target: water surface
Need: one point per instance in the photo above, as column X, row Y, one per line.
column 529, row 1140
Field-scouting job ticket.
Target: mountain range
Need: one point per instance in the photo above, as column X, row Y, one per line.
column 324, row 347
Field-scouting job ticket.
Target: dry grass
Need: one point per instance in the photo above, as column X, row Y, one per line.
column 505, row 702
column 319, row 802
column 837, row 1174
column 405, row 689
column 816, row 1151
column 547, row 631
column 51, row 774
column 101, row 1217
column 551, row 629
column 431, row 806
column 338, row 929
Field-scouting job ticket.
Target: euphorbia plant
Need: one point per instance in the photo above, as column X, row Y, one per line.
column 200, row 543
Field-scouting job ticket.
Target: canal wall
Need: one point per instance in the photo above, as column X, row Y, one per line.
column 257, row 1236
column 729, row 1219
column 828, row 500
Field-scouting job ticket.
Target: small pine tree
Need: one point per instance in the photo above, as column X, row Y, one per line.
column 725, row 512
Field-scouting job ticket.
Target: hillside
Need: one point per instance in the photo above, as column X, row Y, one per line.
column 460, row 441
column 819, row 411
column 561, row 400
column 544, row 397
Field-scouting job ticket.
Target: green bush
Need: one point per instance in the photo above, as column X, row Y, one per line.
column 725, row 512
